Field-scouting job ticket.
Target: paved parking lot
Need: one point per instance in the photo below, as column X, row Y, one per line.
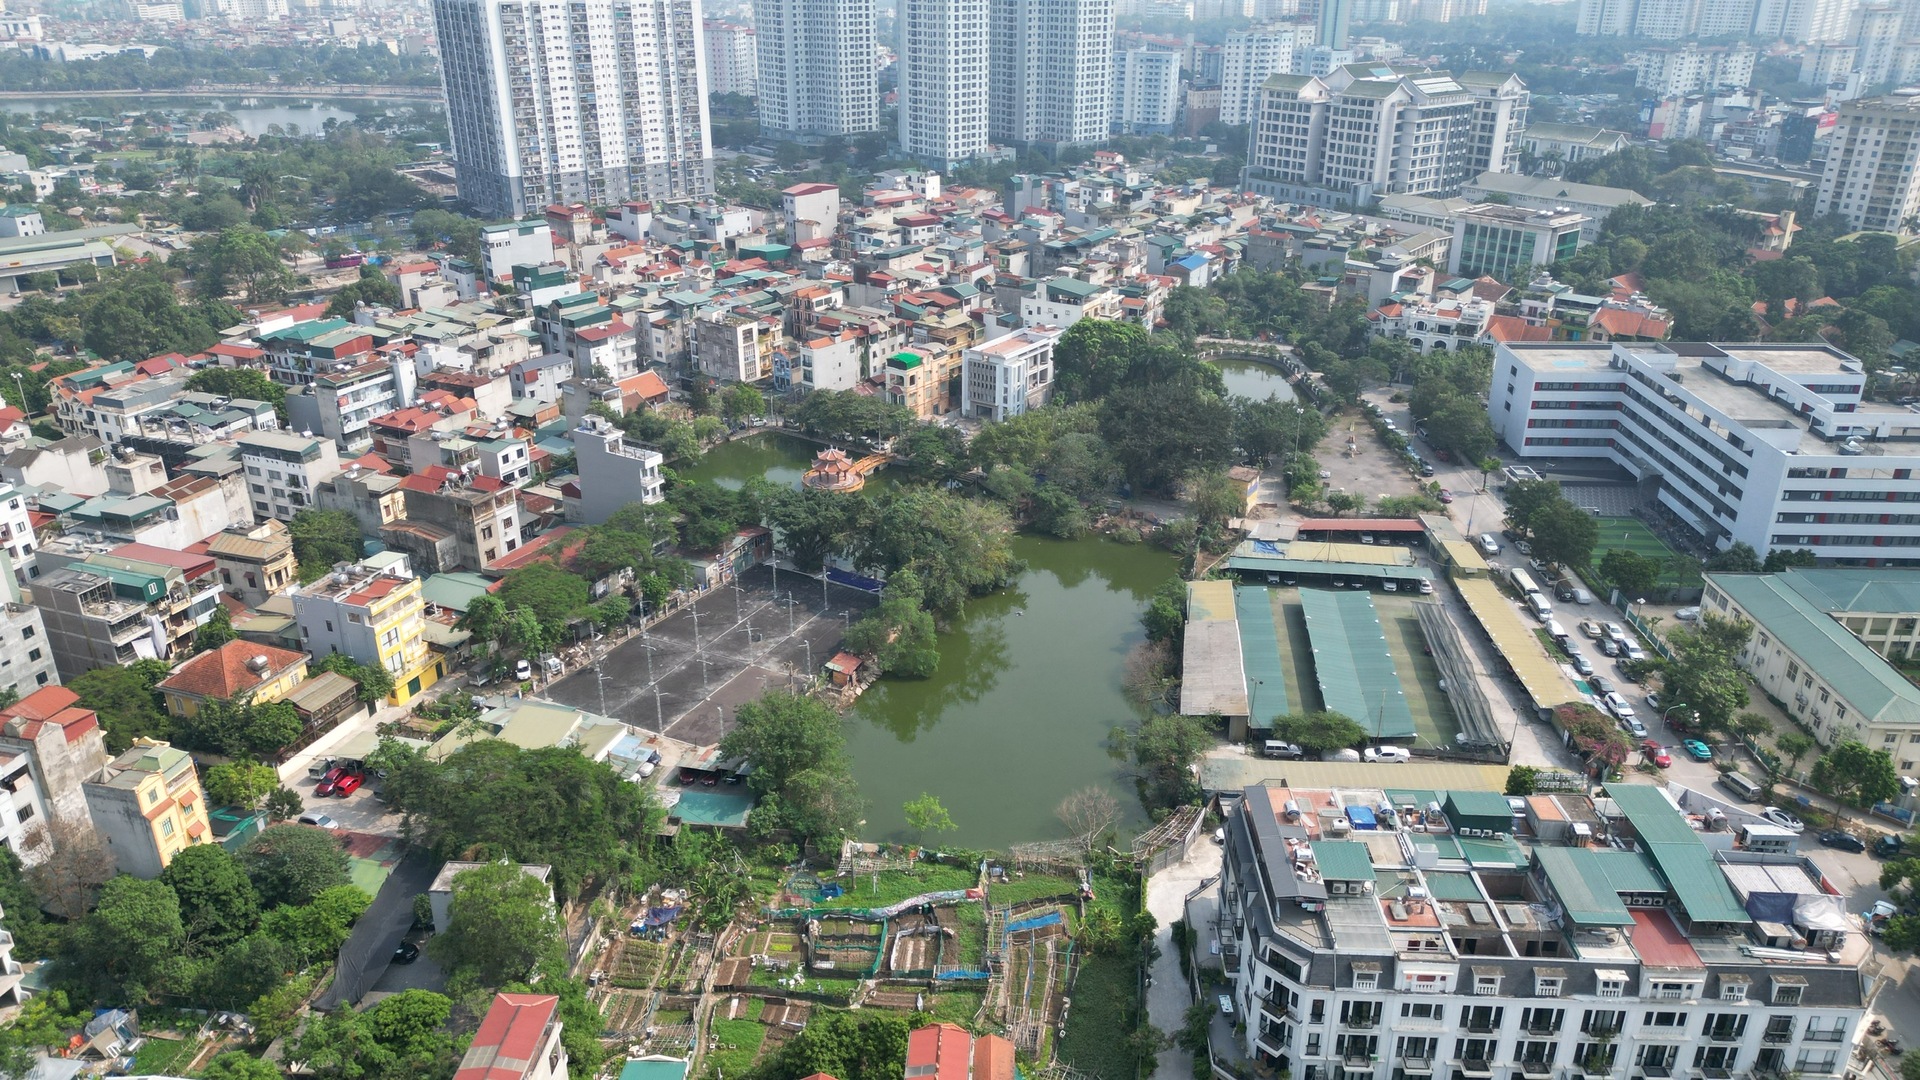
column 687, row 675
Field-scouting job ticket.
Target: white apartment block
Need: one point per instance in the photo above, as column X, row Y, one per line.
column 515, row 243
column 734, row 348
column 1146, row 91
column 1501, row 105
column 569, row 101
column 1353, row 136
column 1770, row 445
column 733, row 59
column 1674, row 20
column 1249, row 58
column 1871, row 178
column 1063, row 301
column 1008, row 375
column 832, row 362
column 1050, row 71
column 253, row 10
column 284, row 470
column 1669, row 950
column 816, row 68
column 1692, row 68
column 1877, row 36
column 943, row 79
column 612, row 473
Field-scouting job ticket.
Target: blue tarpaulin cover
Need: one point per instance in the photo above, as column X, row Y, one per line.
column 1362, row 817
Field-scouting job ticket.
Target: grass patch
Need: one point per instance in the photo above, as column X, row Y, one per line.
column 739, row 1044
column 1632, row 534
column 755, row 1006
column 164, row 1056
column 670, row 1017
column 971, row 934
column 893, row 886
column 1104, row 1006
column 1031, row 887
column 957, row 1006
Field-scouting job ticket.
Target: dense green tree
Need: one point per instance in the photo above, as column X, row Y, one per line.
column 811, row 524
column 1162, row 431
column 293, row 864
column 502, row 928
column 837, row 414
column 1851, row 773
column 1525, row 498
column 241, row 727
column 372, row 288
column 1631, row 572
column 494, row 800
column 1789, row 558
column 1318, row 732
column 121, row 952
column 798, row 749
column 1564, row 533
column 218, row 905
column 216, row 631
column 1460, row 425
column 851, row 1046
column 240, row 383
column 401, row 1038
column 898, row 634
column 742, row 400
column 933, row 454
column 1740, row 558
column 33, row 934
column 1165, row 618
column 41, row 1029
column 375, row 682
column 1792, row 746
column 322, row 539
column 1165, row 748
column 552, row 594
column 315, row 931
column 957, row 547
column 237, row 261
column 126, row 702
column 1704, row 672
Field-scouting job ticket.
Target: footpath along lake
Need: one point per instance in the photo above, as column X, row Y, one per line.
column 1028, row 687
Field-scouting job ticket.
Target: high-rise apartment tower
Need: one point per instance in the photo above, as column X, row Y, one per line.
column 816, row 68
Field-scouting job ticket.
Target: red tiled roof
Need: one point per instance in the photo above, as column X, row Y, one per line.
column 192, row 566
column 508, row 1041
column 50, row 705
column 1507, row 328
column 939, row 1050
column 1621, row 323
column 544, row 546
column 1659, row 942
column 224, row 672
column 807, row 189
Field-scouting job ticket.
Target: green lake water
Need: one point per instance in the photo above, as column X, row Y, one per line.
column 1028, row 688
column 1247, row 378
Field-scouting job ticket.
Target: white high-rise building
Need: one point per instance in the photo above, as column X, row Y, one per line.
column 1050, row 71
column 1692, row 68
column 816, row 68
column 1873, row 163
column 1146, row 91
column 1249, row 58
column 733, row 61
column 1334, row 17
column 1672, row 20
column 1877, row 34
column 943, row 79
column 563, row 101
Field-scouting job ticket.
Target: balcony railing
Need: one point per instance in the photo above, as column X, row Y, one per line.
column 1476, row 1067
column 1776, row 1038
column 1658, row 1071
column 1536, row 1068
column 1482, row 1026
column 1361, row 1021
column 1725, row 1035
column 1833, row 1036
column 1417, row 1065
column 1543, row 1027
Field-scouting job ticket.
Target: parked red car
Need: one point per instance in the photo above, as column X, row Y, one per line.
column 1657, row 753
column 330, row 781
column 349, row 784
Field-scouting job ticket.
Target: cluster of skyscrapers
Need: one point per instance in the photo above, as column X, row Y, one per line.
column 602, row 101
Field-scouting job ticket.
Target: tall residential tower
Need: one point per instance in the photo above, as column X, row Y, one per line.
column 943, row 79
column 816, row 68
column 595, row 101
column 1050, row 71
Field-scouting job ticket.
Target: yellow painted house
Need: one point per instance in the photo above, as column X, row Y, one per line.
column 148, row 806
column 377, row 618
column 234, row 670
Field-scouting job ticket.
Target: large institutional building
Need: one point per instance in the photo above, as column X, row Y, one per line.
column 1363, row 131
column 594, row 101
column 1650, row 934
column 1769, row 444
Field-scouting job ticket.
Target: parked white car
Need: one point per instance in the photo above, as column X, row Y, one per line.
column 1783, row 819
column 1618, row 705
column 1397, row 754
